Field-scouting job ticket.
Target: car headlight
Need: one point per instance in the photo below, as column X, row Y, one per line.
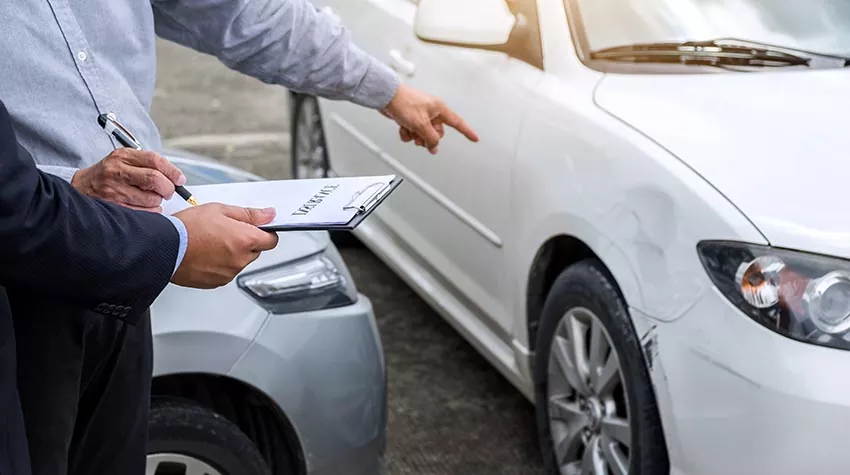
column 802, row 296
column 317, row 282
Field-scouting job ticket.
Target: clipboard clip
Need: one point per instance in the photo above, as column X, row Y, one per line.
column 365, row 198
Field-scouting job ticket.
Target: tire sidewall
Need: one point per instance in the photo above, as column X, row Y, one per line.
column 194, row 431
column 588, row 285
column 222, row 460
column 300, row 103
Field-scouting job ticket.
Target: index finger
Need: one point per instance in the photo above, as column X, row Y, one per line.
column 453, row 120
column 149, row 179
column 148, row 159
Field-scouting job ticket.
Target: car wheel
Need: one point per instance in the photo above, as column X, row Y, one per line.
column 596, row 409
column 188, row 439
column 309, row 152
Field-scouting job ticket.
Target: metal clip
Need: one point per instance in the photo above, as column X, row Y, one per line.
column 110, row 123
column 363, row 199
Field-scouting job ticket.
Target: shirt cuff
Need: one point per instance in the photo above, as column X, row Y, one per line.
column 184, row 240
column 378, row 86
column 65, row 173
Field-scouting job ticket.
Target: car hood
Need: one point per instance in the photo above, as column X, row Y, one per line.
column 775, row 144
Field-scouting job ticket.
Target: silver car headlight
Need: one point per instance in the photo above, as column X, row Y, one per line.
column 802, row 296
column 320, row 281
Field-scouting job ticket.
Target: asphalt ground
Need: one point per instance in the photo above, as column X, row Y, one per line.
column 450, row 412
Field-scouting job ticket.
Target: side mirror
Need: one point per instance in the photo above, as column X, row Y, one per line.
column 471, row 23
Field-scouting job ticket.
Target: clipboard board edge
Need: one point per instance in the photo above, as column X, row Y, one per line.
column 349, row 226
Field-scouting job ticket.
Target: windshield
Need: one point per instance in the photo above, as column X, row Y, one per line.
column 821, row 26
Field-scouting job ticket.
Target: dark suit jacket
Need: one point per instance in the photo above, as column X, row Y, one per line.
column 57, row 245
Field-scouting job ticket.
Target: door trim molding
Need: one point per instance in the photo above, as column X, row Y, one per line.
column 419, row 182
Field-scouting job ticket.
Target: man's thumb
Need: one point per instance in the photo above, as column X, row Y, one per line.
column 255, row 216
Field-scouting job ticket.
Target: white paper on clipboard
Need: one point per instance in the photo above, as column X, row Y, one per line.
column 316, row 203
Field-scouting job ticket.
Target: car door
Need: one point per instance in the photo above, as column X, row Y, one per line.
column 462, row 210
column 357, row 136
column 361, row 141
column 453, row 213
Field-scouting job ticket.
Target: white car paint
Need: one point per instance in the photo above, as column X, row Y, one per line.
column 640, row 168
column 742, row 149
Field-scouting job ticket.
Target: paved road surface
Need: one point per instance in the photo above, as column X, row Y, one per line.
column 449, row 411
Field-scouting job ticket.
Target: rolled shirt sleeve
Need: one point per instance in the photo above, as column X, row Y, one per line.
column 285, row 42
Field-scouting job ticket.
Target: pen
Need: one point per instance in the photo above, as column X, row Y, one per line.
column 127, row 139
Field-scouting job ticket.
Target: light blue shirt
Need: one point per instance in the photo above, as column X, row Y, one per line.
column 184, row 239
column 67, row 61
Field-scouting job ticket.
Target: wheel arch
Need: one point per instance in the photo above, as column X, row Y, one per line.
column 260, row 419
column 559, row 250
column 553, row 257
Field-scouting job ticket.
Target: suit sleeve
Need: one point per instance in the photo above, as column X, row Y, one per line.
column 56, row 243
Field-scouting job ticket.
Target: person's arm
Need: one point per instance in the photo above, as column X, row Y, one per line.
column 285, row 42
column 57, row 243
column 289, row 42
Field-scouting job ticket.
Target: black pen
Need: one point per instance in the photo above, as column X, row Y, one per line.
column 127, row 139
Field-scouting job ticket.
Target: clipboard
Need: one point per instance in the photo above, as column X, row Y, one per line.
column 364, row 202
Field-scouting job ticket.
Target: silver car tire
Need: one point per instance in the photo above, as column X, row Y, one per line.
column 189, row 439
column 595, row 405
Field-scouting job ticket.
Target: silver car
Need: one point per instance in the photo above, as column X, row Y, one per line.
column 281, row 371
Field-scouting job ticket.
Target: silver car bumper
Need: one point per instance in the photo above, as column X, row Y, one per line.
column 326, row 372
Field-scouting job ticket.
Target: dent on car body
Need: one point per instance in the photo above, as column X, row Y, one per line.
column 645, row 225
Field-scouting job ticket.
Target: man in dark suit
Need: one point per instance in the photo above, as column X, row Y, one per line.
column 61, row 250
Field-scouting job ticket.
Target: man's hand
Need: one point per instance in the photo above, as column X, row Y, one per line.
column 222, row 241
column 421, row 116
column 133, row 178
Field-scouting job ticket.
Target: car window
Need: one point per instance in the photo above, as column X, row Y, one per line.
column 821, row 26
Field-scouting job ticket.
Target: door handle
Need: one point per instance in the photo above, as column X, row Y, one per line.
column 400, row 64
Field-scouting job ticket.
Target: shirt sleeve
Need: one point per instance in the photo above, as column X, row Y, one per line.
column 65, row 173
column 184, row 240
column 285, row 42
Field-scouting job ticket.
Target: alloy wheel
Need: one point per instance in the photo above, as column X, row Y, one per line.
column 588, row 414
column 310, row 153
column 178, row 464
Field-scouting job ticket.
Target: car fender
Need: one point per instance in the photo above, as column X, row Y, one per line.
column 203, row 331
column 581, row 172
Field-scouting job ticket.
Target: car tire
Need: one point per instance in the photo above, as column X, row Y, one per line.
column 183, row 435
column 587, row 418
column 309, row 148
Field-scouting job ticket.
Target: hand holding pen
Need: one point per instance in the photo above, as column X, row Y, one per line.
column 221, row 239
column 127, row 139
column 130, row 177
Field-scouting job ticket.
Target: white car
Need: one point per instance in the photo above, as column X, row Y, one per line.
column 648, row 240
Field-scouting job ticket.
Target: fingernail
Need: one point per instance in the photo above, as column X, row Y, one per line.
column 181, row 180
column 269, row 212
